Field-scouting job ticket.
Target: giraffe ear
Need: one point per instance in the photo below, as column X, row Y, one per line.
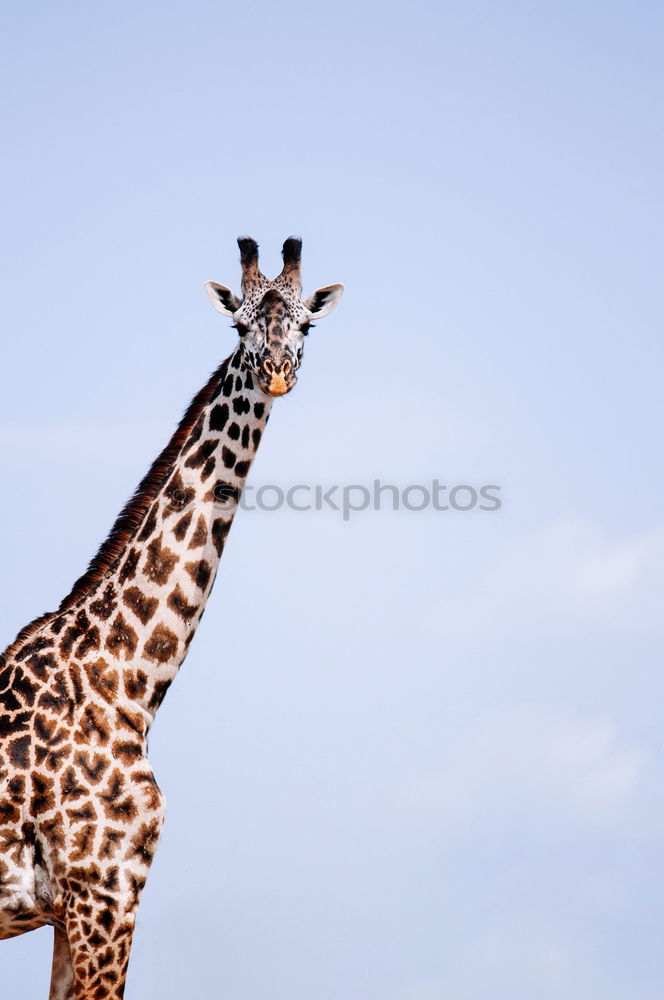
column 323, row 301
column 222, row 298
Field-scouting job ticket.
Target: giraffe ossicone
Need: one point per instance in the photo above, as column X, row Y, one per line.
column 80, row 810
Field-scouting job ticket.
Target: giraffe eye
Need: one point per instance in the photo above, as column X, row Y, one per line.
column 241, row 329
column 306, row 327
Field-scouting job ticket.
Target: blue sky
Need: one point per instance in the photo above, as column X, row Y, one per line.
column 431, row 742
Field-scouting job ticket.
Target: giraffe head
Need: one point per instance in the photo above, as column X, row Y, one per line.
column 272, row 318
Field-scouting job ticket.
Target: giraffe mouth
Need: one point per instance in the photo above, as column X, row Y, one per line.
column 278, row 385
column 278, row 378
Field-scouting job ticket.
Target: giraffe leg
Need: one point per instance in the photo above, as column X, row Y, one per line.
column 62, row 974
column 99, row 900
column 100, row 953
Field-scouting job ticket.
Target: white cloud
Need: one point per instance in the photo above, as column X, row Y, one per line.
column 533, row 756
column 566, row 576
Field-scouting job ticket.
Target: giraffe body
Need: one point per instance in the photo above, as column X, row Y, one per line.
column 80, row 809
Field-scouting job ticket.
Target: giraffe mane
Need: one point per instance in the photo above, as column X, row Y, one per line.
column 130, row 517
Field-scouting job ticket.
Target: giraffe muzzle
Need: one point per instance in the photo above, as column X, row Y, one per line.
column 277, row 375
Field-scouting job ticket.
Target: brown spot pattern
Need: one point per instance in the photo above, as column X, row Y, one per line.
column 162, row 645
column 181, row 526
column 143, row 606
column 199, row 536
column 122, row 638
column 180, row 605
column 200, row 572
column 160, row 561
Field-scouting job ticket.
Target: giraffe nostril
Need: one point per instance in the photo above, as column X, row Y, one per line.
column 268, row 366
column 286, row 367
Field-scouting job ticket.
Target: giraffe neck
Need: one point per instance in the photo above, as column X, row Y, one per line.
column 127, row 625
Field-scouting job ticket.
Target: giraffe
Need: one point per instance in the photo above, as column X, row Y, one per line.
column 80, row 809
